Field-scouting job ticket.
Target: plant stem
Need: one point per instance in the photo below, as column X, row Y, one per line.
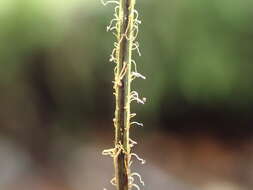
column 123, row 93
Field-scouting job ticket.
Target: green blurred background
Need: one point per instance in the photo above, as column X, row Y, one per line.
column 56, row 87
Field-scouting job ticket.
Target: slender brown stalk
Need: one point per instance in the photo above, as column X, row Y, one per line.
column 126, row 18
column 122, row 88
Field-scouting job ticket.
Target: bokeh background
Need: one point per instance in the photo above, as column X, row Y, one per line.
column 56, row 102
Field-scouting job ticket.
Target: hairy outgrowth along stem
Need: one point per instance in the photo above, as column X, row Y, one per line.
column 125, row 24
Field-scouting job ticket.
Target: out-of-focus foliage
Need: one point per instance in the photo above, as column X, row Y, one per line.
column 197, row 50
column 202, row 50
